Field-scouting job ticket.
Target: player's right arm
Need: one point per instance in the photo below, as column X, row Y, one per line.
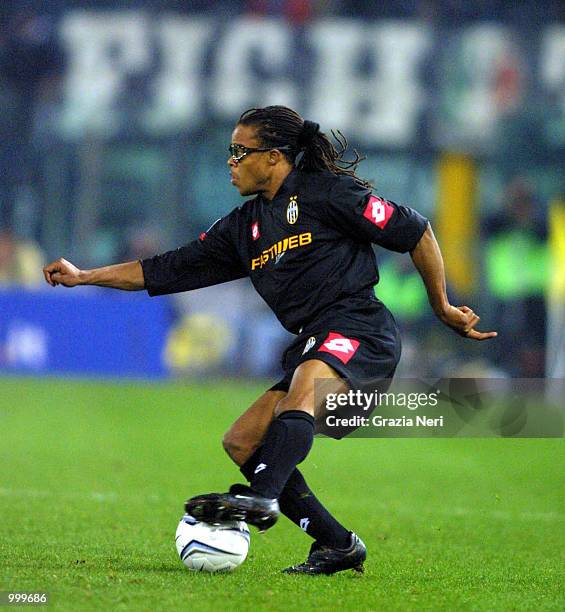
column 127, row 276
column 210, row 260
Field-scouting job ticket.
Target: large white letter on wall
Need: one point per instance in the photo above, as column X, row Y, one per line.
column 178, row 89
column 102, row 48
column 236, row 87
column 380, row 106
column 469, row 85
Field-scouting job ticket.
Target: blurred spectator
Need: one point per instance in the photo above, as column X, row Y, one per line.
column 516, row 271
column 30, row 67
column 296, row 12
column 142, row 242
column 457, row 12
column 21, row 261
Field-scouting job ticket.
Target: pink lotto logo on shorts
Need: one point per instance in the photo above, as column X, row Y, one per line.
column 339, row 346
column 378, row 211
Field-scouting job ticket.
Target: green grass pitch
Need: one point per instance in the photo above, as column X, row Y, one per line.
column 93, row 476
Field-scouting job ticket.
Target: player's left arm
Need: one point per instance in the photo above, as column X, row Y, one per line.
column 352, row 208
column 429, row 262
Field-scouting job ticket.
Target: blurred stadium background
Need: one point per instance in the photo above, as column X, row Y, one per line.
column 116, row 116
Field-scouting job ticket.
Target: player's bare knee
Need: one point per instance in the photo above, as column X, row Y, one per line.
column 292, row 403
column 237, row 447
column 229, row 442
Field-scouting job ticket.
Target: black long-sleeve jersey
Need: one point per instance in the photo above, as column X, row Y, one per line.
column 306, row 251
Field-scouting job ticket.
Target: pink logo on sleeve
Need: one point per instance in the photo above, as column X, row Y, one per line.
column 378, row 211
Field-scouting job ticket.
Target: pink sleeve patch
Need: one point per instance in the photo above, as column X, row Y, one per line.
column 378, row 211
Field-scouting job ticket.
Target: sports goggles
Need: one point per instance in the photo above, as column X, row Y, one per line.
column 238, row 151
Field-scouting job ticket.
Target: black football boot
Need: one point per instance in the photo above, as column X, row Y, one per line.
column 328, row 560
column 241, row 503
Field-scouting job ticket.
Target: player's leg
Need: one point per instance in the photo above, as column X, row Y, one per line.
column 241, row 442
column 297, row 502
column 335, row 548
column 246, row 435
column 287, row 441
column 291, row 433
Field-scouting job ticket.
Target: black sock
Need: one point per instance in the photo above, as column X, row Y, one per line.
column 287, row 442
column 302, row 507
column 248, row 468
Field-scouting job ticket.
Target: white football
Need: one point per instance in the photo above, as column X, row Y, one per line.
column 212, row 548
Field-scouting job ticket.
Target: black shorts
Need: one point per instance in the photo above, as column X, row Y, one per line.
column 361, row 343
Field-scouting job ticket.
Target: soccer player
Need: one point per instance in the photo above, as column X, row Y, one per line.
column 304, row 239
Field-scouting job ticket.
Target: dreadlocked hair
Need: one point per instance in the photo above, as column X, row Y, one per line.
column 280, row 126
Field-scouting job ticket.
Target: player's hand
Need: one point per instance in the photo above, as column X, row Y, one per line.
column 62, row 272
column 463, row 320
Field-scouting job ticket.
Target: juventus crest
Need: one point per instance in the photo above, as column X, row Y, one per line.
column 292, row 210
